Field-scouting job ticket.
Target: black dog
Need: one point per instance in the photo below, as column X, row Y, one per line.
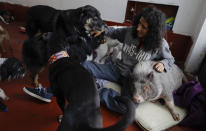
column 41, row 19
column 78, row 24
column 11, row 68
column 70, row 81
column 34, row 55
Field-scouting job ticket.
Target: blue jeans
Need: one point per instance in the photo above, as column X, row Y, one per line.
column 108, row 72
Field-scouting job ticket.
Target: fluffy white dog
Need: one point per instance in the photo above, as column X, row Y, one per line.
column 111, row 47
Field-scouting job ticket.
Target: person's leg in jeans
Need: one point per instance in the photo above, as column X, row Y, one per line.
column 103, row 72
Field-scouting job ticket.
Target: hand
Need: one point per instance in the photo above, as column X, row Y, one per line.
column 159, row 67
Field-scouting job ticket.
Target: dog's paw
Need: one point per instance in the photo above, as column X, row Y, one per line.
column 59, row 119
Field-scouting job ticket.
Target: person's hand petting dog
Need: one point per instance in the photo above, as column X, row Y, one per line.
column 159, row 67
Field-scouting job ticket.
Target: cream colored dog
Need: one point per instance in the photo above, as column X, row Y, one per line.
column 3, row 95
column 4, row 35
column 111, row 47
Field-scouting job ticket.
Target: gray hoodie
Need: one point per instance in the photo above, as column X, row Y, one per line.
column 131, row 55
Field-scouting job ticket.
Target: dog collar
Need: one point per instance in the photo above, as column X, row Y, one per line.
column 58, row 56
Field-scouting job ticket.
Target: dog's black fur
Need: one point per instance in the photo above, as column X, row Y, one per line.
column 41, row 18
column 11, row 68
column 34, row 51
column 70, row 81
column 82, row 20
column 78, row 23
column 34, row 54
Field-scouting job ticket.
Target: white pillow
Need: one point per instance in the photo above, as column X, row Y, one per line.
column 152, row 116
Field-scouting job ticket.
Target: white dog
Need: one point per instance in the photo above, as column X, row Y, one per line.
column 3, row 95
column 111, row 47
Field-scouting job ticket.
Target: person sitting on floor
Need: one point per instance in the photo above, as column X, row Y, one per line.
column 142, row 41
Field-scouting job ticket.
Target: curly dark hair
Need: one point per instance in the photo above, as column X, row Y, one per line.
column 157, row 27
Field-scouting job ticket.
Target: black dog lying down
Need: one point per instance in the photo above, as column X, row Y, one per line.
column 11, row 68
column 70, row 81
column 42, row 19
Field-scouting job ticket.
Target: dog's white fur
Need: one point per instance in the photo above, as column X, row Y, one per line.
column 110, row 47
column 4, row 35
column 3, row 95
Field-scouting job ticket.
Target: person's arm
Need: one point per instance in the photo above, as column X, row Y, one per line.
column 117, row 33
column 165, row 57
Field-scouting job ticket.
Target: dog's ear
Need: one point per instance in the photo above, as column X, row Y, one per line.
column 85, row 12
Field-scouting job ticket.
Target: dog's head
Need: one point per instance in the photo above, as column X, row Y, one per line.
column 12, row 68
column 91, row 19
column 84, row 20
column 83, row 30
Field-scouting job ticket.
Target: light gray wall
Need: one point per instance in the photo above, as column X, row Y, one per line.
column 187, row 15
column 198, row 50
column 111, row 10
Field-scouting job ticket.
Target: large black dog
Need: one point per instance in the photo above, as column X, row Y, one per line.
column 77, row 23
column 70, row 81
column 41, row 19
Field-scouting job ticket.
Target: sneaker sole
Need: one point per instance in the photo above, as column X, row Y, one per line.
column 36, row 96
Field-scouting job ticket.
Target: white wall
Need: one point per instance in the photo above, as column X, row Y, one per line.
column 111, row 10
column 187, row 15
column 198, row 50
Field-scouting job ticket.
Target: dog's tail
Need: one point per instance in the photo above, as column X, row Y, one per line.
column 126, row 120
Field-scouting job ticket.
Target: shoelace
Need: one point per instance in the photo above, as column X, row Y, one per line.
column 40, row 88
